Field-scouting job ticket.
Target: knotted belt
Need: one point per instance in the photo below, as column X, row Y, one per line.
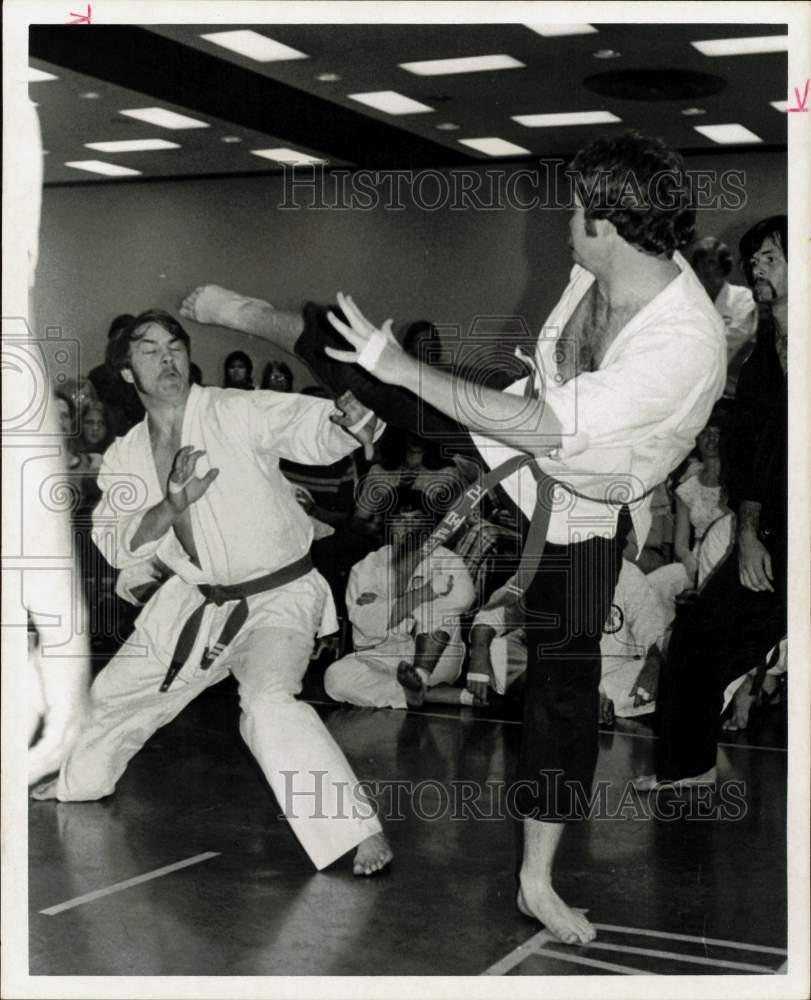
column 219, row 595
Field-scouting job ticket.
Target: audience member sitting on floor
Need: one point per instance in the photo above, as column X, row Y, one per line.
column 405, row 610
column 124, row 408
column 630, row 648
column 700, row 502
column 277, row 376
column 238, row 371
column 747, row 700
column 740, row 614
column 405, row 462
column 712, row 262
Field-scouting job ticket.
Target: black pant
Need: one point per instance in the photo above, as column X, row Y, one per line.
column 574, row 585
column 727, row 633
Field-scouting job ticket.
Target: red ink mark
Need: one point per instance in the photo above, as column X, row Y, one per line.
column 801, row 104
column 80, row 18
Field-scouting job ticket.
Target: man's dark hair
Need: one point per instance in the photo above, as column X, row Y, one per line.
column 119, row 323
column 641, row 186
column 713, row 248
column 277, row 366
column 118, row 346
column 775, row 227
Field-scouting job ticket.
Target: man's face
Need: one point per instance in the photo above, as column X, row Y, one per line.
column 585, row 248
column 159, row 364
column 237, row 372
column 769, row 271
column 62, row 411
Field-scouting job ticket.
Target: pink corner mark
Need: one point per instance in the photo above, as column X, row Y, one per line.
column 80, row 18
column 801, row 104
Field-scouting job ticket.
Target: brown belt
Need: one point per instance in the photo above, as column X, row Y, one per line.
column 219, row 595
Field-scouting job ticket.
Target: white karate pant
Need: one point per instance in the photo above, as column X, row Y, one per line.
column 369, row 677
column 309, row 774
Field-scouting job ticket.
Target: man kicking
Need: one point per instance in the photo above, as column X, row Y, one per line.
column 197, row 484
column 631, row 360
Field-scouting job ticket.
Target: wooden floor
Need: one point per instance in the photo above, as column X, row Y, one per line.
column 670, row 894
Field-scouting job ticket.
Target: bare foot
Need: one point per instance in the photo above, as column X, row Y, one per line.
column 372, row 855
column 742, row 702
column 544, row 904
column 44, row 791
column 411, row 683
column 214, row 304
column 606, row 710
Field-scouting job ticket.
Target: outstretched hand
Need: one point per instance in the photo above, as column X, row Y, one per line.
column 185, row 486
column 374, row 349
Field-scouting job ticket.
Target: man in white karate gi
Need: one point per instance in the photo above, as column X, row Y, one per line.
column 197, row 485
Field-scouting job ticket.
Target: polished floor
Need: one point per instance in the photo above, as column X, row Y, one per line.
column 676, row 886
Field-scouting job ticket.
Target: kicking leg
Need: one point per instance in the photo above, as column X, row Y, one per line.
column 212, row 304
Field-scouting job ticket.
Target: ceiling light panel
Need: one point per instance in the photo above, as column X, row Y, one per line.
column 464, row 64
column 566, row 118
column 253, row 45
column 290, row 156
column 164, row 118
column 132, row 146
column 100, row 167
column 493, row 146
column 558, row 30
column 742, row 46
column 727, row 134
column 391, row 102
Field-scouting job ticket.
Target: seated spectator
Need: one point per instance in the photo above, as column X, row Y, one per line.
column 406, row 462
column 700, row 501
column 712, row 262
column 659, row 543
column 405, row 611
column 277, row 376
column 195, row 373
column 124, row 408
column 95, row 437
column 238, row 371
column 631, row 647
column 78, row 461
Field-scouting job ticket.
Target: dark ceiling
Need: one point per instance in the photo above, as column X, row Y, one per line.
column 260, row 105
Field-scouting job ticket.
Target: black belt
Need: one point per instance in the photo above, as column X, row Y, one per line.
column 219, row 595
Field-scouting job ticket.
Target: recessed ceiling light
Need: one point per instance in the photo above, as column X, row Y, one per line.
column 448, row 127
column 291, row 156
column 164, row 118
column 693, row 112
column 742, row 46
column 566, row 118
column 328, row 77
column 39, row 75
column 132, row 145
column 464, row 64
column 555, row 30
column 230, row 138
column 779, row 105
column 90, row 95
column 493, row 146
column 254, row 46
column 606, row 54
column 727, row 134
column 391, row 102
column 100, row 167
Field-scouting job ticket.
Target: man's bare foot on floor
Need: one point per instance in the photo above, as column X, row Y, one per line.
column 648, row 782
column 742, row 702
column 606, row 710
column 544, row 904
column 44, row 791
column 372, row 855
column 411, row 683
column 213, row 304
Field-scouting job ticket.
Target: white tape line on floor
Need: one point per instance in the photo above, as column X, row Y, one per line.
column 88, row 897
column 675, row 956
column 720, row 942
